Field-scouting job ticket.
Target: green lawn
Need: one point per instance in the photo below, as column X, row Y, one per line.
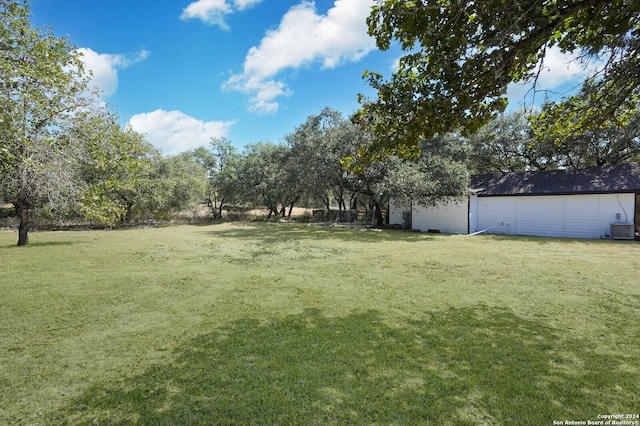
column 301, row 324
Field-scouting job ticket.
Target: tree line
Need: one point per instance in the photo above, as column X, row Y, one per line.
column 127, row 180
column 64, row 155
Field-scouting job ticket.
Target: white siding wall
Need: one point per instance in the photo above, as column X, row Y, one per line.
column 395, row 212
column 473, row 214
column 497, row 214
column 542, row 216
column 576, row 216
column 582, row 216
column 450, row 218
column 616, row 203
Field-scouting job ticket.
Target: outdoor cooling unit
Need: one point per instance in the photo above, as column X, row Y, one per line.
column 622, row 231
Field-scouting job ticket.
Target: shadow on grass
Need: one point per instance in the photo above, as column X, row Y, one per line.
column 462, row 366
column 555, row 240
column 280, row 231
column 39, row 244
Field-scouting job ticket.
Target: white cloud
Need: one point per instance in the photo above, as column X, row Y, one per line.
column 174, row 131
column 395, row 65
column 245, row 4
column 561, row 72
column 213, row 12
column 302, row 39
column 262, row 92
column 105, row 67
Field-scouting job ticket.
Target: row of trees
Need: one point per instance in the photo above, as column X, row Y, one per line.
column 439, row 117
column 318, row 165
column 102, row 172
column 309, row 169
column 63, row 154
column 517, row 142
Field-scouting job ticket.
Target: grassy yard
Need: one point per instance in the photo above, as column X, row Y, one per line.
column 300, row 324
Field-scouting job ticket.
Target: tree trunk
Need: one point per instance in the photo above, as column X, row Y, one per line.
column 291, row 206
column 338, row 195
column 212, row 203
column 327, row 204
column 220, row 208
column 366, row 209
column 354, row 201
column 378, row 215
column 22, row 207
column 342, row 208
column 127, row 217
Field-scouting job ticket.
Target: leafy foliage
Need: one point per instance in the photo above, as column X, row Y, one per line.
column 60, row 152
column 221, row 162
column 516, row 142
column 165, row 185
column 262, row 174
column 323, row 165
column 438, row 174
column 319, row 145
column 617, row 140
column 462, row 55
column 508, row 144
column 42, row 83
column 111, row 161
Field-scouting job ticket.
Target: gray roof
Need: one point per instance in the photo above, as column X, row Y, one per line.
column 606, row 179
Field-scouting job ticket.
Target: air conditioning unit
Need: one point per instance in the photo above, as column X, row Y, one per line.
column 622, row 231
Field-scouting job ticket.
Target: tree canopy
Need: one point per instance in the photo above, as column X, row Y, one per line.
column 461, row 55
column 60, row 151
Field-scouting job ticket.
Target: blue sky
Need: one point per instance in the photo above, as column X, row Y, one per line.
column 184, row 71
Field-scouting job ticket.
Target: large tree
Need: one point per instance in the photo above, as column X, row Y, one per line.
column 43, row 96
column 508, row 144
column 264, row 180
column 439, row 174
column 181, row 180
column 110, row 160
column 318, row 145
column 221, row 161
column 164, row 185
column 41, row 84
column 598, row 146
column 461, row 55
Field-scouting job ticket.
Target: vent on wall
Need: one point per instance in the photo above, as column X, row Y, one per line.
column 622, row 231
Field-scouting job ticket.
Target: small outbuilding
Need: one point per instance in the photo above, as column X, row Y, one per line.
column 598, row 202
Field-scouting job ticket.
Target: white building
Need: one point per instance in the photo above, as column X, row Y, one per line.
column 555, row 203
